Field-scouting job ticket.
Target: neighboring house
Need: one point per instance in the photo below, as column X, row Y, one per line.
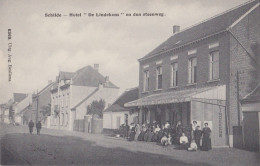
column 10, row 111
column 116, row 114
column 2, row 113
column 43, row 103
column 251, row 119
column 74, row 91
column 20, row 107
column 200, row 73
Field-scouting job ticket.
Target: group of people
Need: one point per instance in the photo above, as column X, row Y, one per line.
column 188, row 137
column 38, row 127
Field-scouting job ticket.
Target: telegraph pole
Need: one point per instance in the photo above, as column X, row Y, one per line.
column 37, row 100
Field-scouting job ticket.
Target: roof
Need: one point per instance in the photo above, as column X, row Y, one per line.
column 19, row 97
column 206, row 28
column 66, row 75
column 127, row 96
column 168, row 97
column 253, row 96
column 86, row 98
column 86, row 76
column 47, row 87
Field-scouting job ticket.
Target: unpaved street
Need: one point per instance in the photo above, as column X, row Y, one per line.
column 54, row 147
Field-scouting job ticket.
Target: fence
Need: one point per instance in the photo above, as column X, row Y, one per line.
column 88, row 125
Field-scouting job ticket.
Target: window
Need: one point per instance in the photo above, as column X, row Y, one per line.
column 174, row 75
column 214, row 65
column 192, row 70
column 159, row 77
column 146, row 81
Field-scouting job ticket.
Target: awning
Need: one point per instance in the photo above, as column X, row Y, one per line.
column 216, row 92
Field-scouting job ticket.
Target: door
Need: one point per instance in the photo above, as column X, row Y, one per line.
column 118, row 122
column 251, row 130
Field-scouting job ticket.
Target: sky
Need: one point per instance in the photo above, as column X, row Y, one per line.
column 43, row 46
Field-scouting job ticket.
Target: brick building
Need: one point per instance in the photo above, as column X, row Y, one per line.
column 200, row 73
column 74, row 91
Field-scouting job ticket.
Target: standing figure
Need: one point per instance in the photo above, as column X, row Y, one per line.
column 138, row 130
column 197, row 136
column 31, row 125
column 132, row 132
column 179, row 131
column 206, row 140
column 38, row 127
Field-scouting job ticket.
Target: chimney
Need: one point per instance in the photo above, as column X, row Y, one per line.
column 176, row 28
column 96, row 67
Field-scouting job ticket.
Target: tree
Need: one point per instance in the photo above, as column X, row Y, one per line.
column 96, row 108
column 46, row 110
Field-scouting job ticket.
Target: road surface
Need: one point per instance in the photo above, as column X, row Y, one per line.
column 54, row 147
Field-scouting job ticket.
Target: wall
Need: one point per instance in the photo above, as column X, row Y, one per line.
column 241, row 65
column 107, row 94
column 110, row 119
column 202, row 55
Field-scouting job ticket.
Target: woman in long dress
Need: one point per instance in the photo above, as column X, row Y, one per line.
column 132, row 133
column 206, row 140
column 137, row 131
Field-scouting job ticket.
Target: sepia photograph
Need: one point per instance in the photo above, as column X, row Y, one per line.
column 130, row 82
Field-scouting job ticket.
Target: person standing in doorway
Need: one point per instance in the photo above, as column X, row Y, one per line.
column 206, row 140
column 31, row 125
column 38, row 127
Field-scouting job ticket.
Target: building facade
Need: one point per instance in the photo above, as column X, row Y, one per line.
column 116, row 114
column 201, row 72
column 73, row 92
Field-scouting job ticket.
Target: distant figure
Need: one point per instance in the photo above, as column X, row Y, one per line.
column 38, row 127
column 31, row 125
column 206, row 140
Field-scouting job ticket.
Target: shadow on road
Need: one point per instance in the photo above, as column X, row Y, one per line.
column 69, row 150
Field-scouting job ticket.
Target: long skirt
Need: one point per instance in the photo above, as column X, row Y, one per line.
column 131, row 136
column 150, row 136
column 141, row 136
column 146, row 135
column 206, row 144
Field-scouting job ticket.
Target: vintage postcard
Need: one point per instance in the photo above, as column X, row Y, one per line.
column 130, row 82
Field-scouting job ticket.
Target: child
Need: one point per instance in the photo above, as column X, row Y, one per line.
column 165, row 141
column 193, row 146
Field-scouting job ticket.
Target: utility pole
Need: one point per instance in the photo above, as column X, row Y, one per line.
column 37, row 101
column 238, row 99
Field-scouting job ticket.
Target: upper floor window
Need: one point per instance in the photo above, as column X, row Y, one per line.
column 159, row 77
column 192, row 70
column 214, row 65
column 146, row 81
column 174, row 75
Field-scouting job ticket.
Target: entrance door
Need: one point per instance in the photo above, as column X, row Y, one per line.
column 251, row 130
